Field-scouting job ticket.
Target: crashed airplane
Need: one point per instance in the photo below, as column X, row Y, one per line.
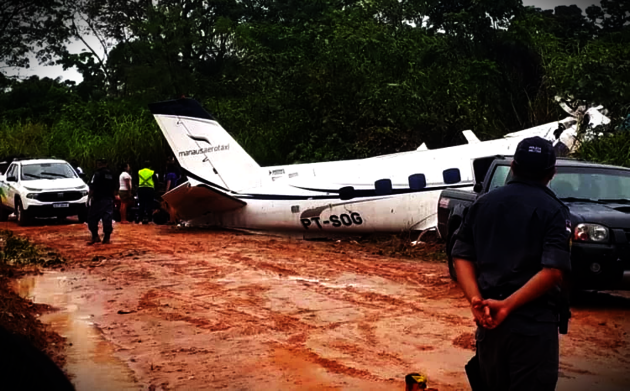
column 389, row 193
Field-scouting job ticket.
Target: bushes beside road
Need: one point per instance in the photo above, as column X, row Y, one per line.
column 86, row 132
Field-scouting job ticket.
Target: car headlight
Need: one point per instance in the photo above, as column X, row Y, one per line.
column 31, row 189
column 590, row 233
column 32, row 196
column 84, row 193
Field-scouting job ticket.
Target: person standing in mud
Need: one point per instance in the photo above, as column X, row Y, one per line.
column 172, row 181
column 510, row 255
column 146, row 192
column 125, row 192
column 103, row 192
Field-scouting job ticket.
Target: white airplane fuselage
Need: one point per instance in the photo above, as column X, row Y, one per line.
column 390, row 193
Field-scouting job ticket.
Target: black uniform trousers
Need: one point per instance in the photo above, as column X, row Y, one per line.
column 519, row 355
column 101, row 209
column 146, row 197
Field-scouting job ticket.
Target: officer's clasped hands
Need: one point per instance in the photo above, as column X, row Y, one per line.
column 489, row 313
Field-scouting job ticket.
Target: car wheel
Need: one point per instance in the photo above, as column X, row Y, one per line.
column 22, row 215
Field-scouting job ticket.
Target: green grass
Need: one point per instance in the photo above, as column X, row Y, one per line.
column 612, row 148
column 19, row 251
column 126, row 138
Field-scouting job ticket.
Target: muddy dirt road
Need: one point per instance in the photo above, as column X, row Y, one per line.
column 183, row 309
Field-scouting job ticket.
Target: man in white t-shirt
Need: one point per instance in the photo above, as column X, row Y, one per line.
column 125, row 192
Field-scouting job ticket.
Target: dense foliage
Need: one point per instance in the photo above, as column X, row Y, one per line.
column 311, row 80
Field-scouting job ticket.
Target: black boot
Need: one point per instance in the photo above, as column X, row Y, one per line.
column 95, row 239
column 106, row 239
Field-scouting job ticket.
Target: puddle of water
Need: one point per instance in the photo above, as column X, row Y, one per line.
column 90, row 359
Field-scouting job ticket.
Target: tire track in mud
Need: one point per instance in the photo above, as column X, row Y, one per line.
column 275, row 321
column 235, row 319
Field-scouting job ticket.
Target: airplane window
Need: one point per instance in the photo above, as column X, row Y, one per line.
column 383, row 186
column 346, row 193
column 451, row 176
column 417, row 182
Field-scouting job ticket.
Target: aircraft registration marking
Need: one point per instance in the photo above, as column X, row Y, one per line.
column 344, row 219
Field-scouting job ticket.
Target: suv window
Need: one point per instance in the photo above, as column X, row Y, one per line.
column 499, row 177
column 32, row 172
column 12, row 171
column 579, row 182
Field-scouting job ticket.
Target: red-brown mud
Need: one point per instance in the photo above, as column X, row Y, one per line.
column 191, row 309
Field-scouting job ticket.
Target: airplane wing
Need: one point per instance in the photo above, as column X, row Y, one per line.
column 470, row 137
column 194, row 201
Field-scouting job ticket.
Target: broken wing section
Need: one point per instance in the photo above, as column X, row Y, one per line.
column 194, row 201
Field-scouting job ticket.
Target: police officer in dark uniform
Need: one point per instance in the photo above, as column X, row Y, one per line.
column 510, row 256
column 103, row 191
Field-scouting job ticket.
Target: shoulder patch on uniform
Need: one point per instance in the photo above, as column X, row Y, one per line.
column 568, row 225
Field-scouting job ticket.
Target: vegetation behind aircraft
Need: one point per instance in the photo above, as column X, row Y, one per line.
column 307, row 80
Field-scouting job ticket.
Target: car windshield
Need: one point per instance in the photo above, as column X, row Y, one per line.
column 31, row 172
column 591, row 184
column 580, row 183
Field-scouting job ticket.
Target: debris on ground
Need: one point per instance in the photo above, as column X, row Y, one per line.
column 426, row 245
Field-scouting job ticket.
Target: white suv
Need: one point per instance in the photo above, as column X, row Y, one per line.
column 42, row 188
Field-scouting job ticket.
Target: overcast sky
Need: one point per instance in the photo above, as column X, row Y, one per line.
column 72, row 74
column 548, row 4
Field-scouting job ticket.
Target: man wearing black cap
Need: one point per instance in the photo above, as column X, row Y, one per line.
column 103, row 191
column 510, row 255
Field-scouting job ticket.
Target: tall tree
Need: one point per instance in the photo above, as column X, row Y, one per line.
column 31, row 27
column 612, row 15
column 180, row 43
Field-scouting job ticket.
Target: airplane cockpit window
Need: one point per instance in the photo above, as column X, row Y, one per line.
column 346, row 193
column 500, row 177
column 451, row 176
column 417, row 182
column 383, row 187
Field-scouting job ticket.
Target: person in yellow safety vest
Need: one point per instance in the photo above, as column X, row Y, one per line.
column 146, row 192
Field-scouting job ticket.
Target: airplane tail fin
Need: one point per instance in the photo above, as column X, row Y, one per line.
column 203, row 148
